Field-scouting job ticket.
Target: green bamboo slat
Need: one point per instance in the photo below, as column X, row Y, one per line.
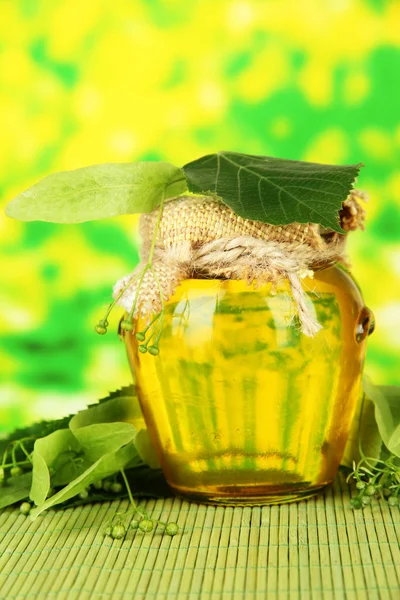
column 315, row 564
column 384, row 527
column 304, row 559
column 201, row 558
column 193, row 552
column 343, row 541
column 324, row 554
column 356, row 562
column 212, row 553
column 253, row 552
column 311, row 550
column 263, row 573
column 169, row 512
column 219, row 569
column 333, row 543
column 70, row 558
column 232, row 553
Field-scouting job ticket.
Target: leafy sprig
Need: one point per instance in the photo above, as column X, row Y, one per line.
column 376, row 478
column 377, row 428
column 100, row 455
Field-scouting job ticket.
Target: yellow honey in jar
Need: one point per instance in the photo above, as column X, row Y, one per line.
column 241, row 406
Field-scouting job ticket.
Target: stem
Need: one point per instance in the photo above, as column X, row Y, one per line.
column 3, row 462
column 21, row 445
column 128, row 489
column 18, row 464
column 150, row 261
column 153, row 242
column 120, row 294
column 142, row 274
column 144, row 331
column 14, row 460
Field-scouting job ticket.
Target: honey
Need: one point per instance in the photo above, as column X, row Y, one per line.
column 243, row 408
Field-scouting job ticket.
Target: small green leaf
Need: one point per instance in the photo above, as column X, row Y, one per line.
column 104, row 467
column 146, row 449
column 106, row 427
column 364, row 431
column 387, row 412
column 120, row 408
column 46, row 452
column 15, row 490
column 97, row 192
column 102, row 438
column 274, row 190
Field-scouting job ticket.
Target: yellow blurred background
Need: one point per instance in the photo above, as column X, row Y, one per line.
column 91, row 82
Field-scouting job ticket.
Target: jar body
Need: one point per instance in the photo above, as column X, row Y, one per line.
column 240, row 405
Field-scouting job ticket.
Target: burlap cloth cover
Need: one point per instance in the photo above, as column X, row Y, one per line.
column 200, row 237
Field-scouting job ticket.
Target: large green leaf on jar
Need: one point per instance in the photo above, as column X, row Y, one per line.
column 274, row 190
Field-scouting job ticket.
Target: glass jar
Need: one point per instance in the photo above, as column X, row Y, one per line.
column 243, row 408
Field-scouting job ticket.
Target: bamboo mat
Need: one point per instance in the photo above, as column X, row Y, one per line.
column 319, row 549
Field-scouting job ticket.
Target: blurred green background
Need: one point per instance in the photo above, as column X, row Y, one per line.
column 90, row 82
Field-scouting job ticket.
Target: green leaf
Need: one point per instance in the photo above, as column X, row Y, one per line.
column 119, row 408
column 274, row 190
column 387, row 412
column 15, row 490
column 104, row 467
column 108, row 426
column 364, row 431
column 97, row 192
column 46, row 452
column 103, row 438
column 146, row 450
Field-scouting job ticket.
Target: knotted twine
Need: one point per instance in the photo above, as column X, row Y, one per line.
column 200, row 237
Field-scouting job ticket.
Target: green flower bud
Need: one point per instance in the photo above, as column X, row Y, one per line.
column 116, row 488
column 100, row 329
column 366, row 500
column 143, row 349
column 172, row 529
column 386, row 492
column 140, row 336
column 154, row 351
column 106, row 486
column 118, row 532
column 126, row 325
column 108, row 530
column 360, row 485
column 146, row 525
column 393, row 500
column 370, row 490
column 25, row 508
column 84, row 494
column 135, row 524
column 16, row 471
column 355, row 503
column 98, row 485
